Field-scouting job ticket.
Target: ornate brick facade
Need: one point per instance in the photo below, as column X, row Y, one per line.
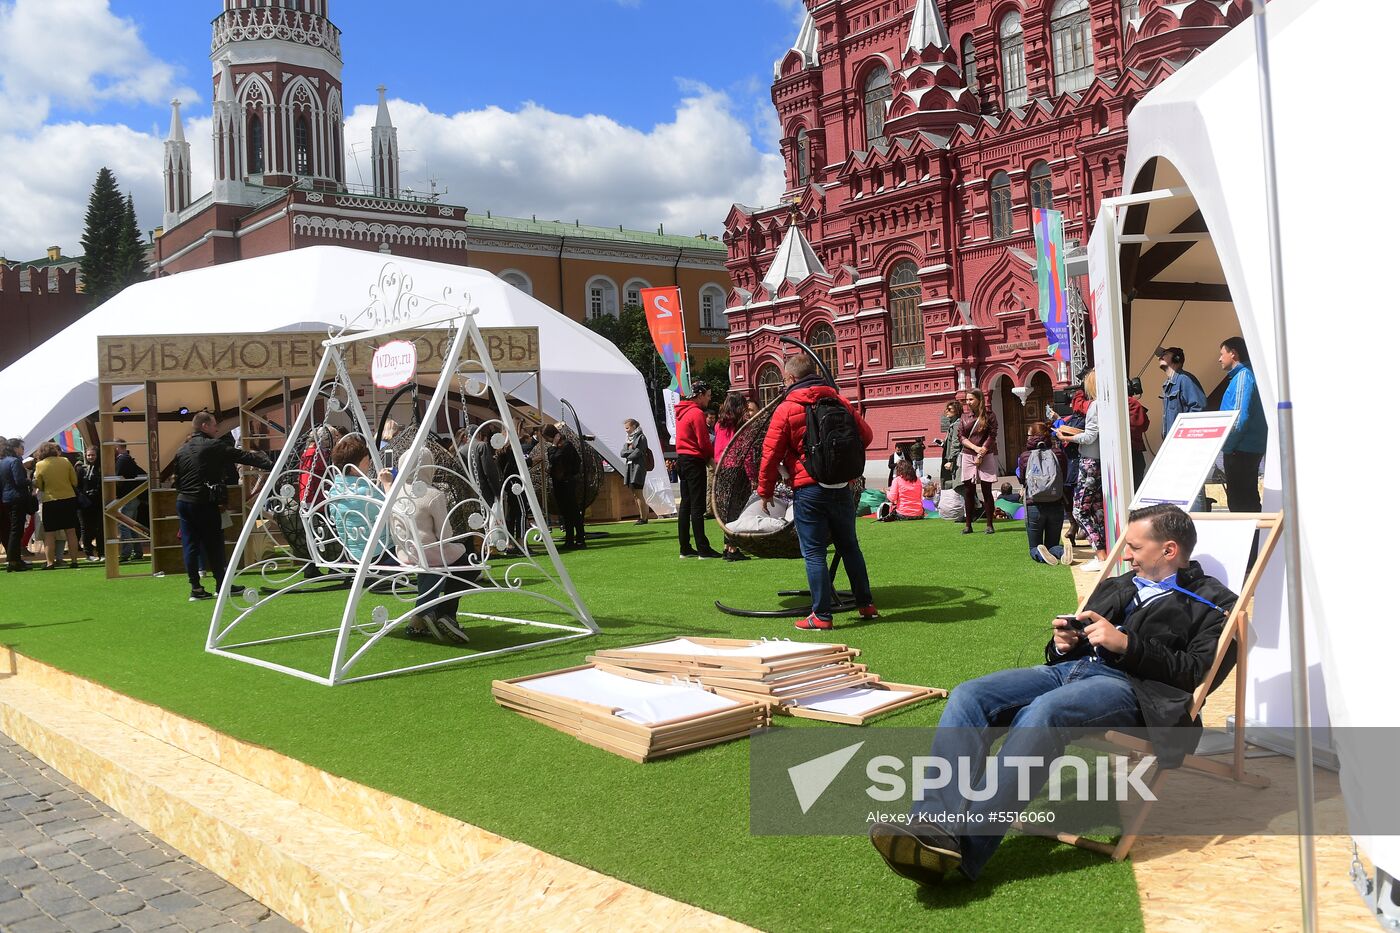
column 917, row 135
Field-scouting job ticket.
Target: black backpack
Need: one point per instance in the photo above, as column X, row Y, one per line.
column 834, row 450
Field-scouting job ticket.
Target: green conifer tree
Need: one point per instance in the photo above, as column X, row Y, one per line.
column 102, row 238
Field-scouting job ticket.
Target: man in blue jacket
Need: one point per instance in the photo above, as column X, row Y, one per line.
column 1244, row 448
column 14, row 500
column 1181, row 392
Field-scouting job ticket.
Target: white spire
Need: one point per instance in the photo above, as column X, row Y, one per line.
column 177, row 169
column 177, row 128
column 806, row 44
column 229, row 156
column 927, row 27
column 795, row 261
column 225, row 92
column 384, row 152
column 382, row 118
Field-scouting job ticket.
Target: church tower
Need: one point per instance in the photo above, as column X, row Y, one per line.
column 278, row 113
column 177, row 169
column 384, row 150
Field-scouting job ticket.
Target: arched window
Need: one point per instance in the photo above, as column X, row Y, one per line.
column 301, row 141
column 255, row 145
column 906, row 322
column 600, row 296
column 770, row 384
column 877, row 98
column 1072, row 42
column 969, row 63
column 518, row 279
column 822, row 340
column 1000, row 205
column 1042, row 187
column 804, row 157
column 712, row 308
column 632, row 291
column 1013, row 60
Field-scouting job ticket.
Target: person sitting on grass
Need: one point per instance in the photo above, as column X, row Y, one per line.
column 1009, row 494
column 1142, row 645
column 906, row 497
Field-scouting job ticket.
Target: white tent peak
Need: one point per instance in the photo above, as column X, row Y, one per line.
column 795, row 261
column 927, row 28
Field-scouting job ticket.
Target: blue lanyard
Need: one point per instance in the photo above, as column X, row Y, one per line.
column 1185, row 592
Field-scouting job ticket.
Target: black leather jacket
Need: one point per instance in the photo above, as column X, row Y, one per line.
column 204, row 461
column 1171, row 644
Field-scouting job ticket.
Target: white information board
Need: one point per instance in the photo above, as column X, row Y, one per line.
column 1188, row 452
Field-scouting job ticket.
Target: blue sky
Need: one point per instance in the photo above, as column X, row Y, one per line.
column 477, row 88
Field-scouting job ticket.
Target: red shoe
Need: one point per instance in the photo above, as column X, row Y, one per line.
column 812, row 622
column 868, row 612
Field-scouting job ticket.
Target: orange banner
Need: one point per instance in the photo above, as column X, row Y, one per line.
column 667, row 325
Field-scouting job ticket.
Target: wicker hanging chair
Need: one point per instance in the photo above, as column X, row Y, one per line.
column 736, row 479
column 592, row 474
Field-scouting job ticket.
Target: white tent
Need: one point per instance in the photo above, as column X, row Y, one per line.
column 1200, row 134
column 55, row 385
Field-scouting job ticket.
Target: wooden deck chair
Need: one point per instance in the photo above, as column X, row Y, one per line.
column 1223, row 544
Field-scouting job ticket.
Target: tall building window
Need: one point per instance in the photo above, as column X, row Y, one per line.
column 601, row 295
column 877, row 98
column 632, row 291
column 804, row 157
column 712, row 308
column 770, row 384
column 1072, row 42
column 1013, row 60
column 906, row 322
column 255, row 145
column 519, row 279
column 1129, row 10
column 1000, row 208
column 969, row 63
column 822, row 340
column 301, row 140
column 1042, row 187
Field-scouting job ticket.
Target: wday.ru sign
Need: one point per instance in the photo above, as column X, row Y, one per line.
column 394, row 364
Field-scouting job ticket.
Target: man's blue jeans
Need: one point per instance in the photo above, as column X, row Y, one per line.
column 828, row 516
column 1045, row 707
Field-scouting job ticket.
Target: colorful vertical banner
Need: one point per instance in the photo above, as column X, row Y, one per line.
column 70, row 441
column 1050, row 277
column 667, row 326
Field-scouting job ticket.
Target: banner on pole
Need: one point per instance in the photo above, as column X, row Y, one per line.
column 1115, row 450
column 1050, row 278
column 671, row 397
column 667, row 325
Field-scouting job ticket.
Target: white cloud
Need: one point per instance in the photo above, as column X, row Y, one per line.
column 684, row 173
column 75, row 53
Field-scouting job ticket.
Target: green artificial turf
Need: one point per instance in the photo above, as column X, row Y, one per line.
column 952, row 608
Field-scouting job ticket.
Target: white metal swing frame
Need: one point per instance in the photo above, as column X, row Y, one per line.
column 393, row 309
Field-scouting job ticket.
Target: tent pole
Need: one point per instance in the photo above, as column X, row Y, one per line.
column 1292, row 549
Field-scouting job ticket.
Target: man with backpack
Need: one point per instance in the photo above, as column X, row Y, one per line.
column 1041, row 469
column 819, row 439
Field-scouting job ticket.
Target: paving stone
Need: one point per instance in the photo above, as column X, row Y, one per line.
column 147, row 920
column 225, row 897
column 91, row 921
column 149, row 858
column 70, row 873
column 47, row 847
column 123, row 902
column 28, row 878
column 170, row 903
column 95, row 885
column 200, row 882
column 199, row 918
column 125, row 871
column 49, row 893
column 16, row 910
column 149, row 886
column 130, row 843
column 17, row 864
column 67, row 905
column 249, row 912
column 8, row 892
column 39, row 924
column 102, row 858
column 276, row 924
column 60, row 859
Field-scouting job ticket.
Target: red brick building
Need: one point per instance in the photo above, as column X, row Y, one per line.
column 917, row 136
column 38, row 298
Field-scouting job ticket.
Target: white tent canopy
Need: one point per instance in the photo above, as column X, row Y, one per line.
column 55, row 385
column 1201, row 130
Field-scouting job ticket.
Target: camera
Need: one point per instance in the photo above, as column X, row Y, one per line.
column 1135, row 386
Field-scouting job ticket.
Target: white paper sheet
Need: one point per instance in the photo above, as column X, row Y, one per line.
column 854, row 701
column 764, row 651
column 636, row 700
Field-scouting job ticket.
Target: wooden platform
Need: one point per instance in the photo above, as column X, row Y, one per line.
column 326, row 853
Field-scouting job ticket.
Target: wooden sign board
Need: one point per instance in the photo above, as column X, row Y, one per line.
column 291, row 354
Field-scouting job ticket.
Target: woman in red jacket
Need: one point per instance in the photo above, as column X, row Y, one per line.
column 694, row 451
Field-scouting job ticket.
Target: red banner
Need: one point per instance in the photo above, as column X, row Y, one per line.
column 667, row 325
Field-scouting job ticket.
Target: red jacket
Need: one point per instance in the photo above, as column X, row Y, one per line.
column 786, row 432
column 1138, row 422
column 692, row 436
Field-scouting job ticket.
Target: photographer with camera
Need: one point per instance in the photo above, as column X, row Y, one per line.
column 202, row 498
column 1138, row 423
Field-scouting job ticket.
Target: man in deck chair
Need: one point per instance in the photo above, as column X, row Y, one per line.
column 1149, row 638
